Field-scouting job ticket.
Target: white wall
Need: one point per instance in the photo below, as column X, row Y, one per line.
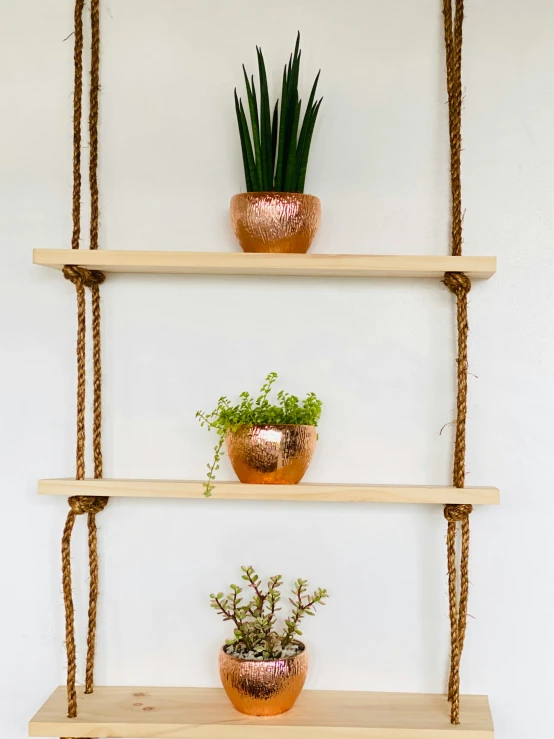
column 380, row 353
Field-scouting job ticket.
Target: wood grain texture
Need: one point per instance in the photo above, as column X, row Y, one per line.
column 238, row 263
column 206, row 713
column 338, row 493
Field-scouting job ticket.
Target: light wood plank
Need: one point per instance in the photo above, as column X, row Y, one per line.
column 238, row 263
column 338, row 493
column 206, row 713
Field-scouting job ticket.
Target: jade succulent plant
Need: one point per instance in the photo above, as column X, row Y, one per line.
column 258, row 411
column 276, row 148
column 256, row 635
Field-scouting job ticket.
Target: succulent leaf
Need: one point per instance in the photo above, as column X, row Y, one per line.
column 249, row 153
column 265, row 125
column 244, row 160
column 303, row 165
column 274, row 134
column 254, row 123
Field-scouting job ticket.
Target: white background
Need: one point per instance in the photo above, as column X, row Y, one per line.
column 379, row 353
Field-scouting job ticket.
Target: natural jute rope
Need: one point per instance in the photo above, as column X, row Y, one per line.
column 459, row 285
column 83, row 278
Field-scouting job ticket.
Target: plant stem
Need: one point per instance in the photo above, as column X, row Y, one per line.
column 261, row 596
column 208, row 485
column 232, row 615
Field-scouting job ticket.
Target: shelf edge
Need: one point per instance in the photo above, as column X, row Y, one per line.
column 239, row 263
column 304, row 492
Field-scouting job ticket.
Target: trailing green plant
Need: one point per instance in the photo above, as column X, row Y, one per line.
column 256, row 412
column 275, row 156
column 255, row 633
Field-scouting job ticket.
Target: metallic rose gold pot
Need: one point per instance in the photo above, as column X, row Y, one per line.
column 263, row 688
column 274, row 455
column 277, row 222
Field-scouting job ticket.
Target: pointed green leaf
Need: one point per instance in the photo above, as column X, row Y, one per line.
column 302, row 140
column 290, row 177
column 255, row 100
column 292, row 91
column 249, row 152
column 243, row 145
column 305, row 125
column 289, row 121
column 265, row 124
column 255, row 129
column 303, row 165
column 279, row 172
column 274, row 132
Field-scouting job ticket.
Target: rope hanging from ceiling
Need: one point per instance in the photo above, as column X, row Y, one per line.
column 82, row 279
column 459, row 285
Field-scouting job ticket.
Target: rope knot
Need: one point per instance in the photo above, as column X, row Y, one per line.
column 457, row 513
column 83, row 276
column 458, row 283
column 80, row 504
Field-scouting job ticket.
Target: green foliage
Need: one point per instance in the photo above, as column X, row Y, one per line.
column 256, row 412
column 255, row 621
column 275, row 149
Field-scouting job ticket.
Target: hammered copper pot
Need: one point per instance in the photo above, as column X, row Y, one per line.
column 274, row 455
column 277, row 222
column 263, row 687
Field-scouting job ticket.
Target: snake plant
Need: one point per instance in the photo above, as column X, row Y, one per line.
column 276, row 147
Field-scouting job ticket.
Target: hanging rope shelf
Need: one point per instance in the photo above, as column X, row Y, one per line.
column 198, row 713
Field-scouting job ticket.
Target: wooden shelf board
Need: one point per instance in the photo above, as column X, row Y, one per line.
column 239, row 263
column 303, row 492
column 206, row 713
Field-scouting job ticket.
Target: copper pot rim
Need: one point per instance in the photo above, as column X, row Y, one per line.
column 264, row 193
column 304, row 650
column 273, row 426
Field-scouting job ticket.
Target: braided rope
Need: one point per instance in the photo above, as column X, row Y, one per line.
column 459, row 285
column 93, row 120
column 84, row 278
column 77, row 116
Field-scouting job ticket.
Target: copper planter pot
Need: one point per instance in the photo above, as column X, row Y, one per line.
column 276, row 222
column 263, row 688
column 273, row 455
